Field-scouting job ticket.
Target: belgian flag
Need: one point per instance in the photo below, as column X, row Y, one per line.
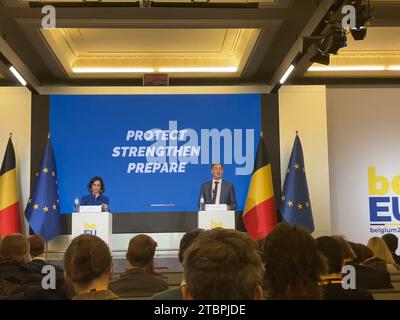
column 9, row 206
column 259, row 215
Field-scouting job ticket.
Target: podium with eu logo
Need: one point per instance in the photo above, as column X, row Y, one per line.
column 216, row 216
column 91, row 220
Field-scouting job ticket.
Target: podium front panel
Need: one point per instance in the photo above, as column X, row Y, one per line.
column 94, row 223
column 216, row 219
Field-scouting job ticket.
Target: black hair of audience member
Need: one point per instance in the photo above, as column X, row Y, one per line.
column 333, row 252
column 391, row 241
column 347, row 251
column 292, row 264
column 223, row 264
column 186, row 241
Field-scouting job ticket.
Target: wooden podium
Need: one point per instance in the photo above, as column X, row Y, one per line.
column 216, row 216
column 95, row 223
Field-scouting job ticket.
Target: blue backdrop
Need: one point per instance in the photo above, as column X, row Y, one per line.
column 90, row 132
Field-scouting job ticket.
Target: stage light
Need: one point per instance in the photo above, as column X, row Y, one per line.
column 320, row 57
column 334, row 41
column 359, row 33
column 364, row 17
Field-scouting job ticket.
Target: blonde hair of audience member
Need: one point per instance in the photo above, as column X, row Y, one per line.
column 222, row 264
column 88, row 264
column 381, row 250
column 15, row 247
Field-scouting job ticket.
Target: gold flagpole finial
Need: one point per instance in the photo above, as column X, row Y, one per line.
column 10, row 134
column 297, row 133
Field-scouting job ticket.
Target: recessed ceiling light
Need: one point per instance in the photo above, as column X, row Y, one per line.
column 198, row 69
column 347, row 68
column 111, row 70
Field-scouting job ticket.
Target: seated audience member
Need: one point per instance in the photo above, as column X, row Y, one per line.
column 222, row 264
column 381, row 250
column 37, row 246
column 367, row 258
column 136, row 282
column 367, row 277
column 292, row 264
column 15, row 275
column 87, row 264
column 392, row 242
column 332, row 279
column 186, row 241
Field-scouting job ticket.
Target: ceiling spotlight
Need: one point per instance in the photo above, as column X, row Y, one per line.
column 335, row 40
column 364, row 17
column 359, row 33
column 320, row 57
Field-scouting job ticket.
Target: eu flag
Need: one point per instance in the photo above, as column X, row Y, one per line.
column 295, row 202
column 43, row 209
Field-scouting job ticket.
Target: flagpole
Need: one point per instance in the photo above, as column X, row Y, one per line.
column 46, row 250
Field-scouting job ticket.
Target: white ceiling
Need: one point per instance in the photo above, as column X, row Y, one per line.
column 151, row 48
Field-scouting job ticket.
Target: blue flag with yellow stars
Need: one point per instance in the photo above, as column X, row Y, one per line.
column 43, row 209
column 295, row 203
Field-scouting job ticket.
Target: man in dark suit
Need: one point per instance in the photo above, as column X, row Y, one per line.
column 218, row 191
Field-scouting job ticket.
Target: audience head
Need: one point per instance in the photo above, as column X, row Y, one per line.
column 37, row 245
column 292, row 264
column 222, row 264
column 380, row 249
column 187, row 239
column 88, row 263
column 333, row 252
column 347, row 251
column 141, row 250
column 15, row 248
column 362, row 252
column 391, row 241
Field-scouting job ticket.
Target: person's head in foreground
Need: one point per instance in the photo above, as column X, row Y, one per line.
column 88, row 263
column 141, row 251
column 292, row 264
column 37, row 245
column 15, row 248
column 186, row 241
column 223, row 264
